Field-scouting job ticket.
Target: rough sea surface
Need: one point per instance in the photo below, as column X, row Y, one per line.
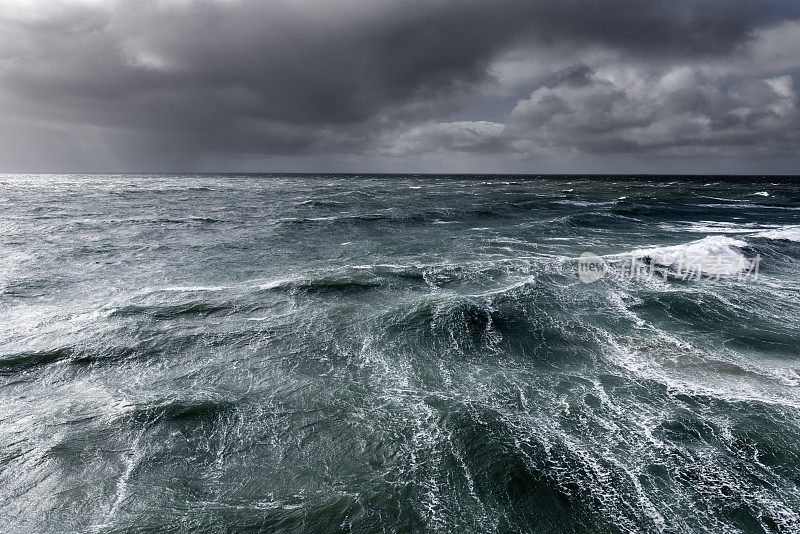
column 396, row 354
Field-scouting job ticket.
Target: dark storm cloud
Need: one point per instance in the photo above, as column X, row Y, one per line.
column 681, row 111
column 168, row 81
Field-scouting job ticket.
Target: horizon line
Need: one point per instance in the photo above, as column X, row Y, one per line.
column 383, row 173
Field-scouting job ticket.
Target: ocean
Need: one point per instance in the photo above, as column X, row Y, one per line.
column 372, row 353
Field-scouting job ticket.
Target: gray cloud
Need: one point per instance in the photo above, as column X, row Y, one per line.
column 145, row 85
column 681, row 112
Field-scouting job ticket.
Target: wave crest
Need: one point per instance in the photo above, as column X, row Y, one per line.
column 713, row 255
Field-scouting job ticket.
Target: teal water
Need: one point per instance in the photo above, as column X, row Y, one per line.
column 396, row 354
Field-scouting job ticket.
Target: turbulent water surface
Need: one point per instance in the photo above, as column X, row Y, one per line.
column 397, row 354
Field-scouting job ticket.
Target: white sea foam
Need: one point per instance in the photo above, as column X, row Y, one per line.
column 762, row 193
column 767, row 231
column 716, row 227
column 785, row 233
column 583, row 203
column 189, row 289
column 273, row 284
column 714, row 255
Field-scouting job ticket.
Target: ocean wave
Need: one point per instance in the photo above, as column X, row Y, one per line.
column 22, row 361
column 188, row 289
column 717, row 227
column 320, row 284
column 786, row 233
column 321, row 203
column 177, row 410
column 600, row 219
column 507, row 322
column 170, row 310
column 585, row 203
column 362, row 277
column 713, row 255
column 113, row 347
column 745, row 230
column 367, row 217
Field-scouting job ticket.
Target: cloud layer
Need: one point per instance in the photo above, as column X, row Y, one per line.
column 227, row 84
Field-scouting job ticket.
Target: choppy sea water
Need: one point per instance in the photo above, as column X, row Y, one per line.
column 397, row 354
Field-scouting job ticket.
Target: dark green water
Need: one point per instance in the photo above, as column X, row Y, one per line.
column 396, row 354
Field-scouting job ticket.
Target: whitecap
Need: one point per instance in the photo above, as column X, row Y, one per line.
column 583, row 203
column 274, row 284
column 717, row 227
column 190, row 289
column 786, row 233
column 713, row 255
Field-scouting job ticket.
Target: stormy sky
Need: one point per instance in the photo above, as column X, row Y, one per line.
column 604, row 86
